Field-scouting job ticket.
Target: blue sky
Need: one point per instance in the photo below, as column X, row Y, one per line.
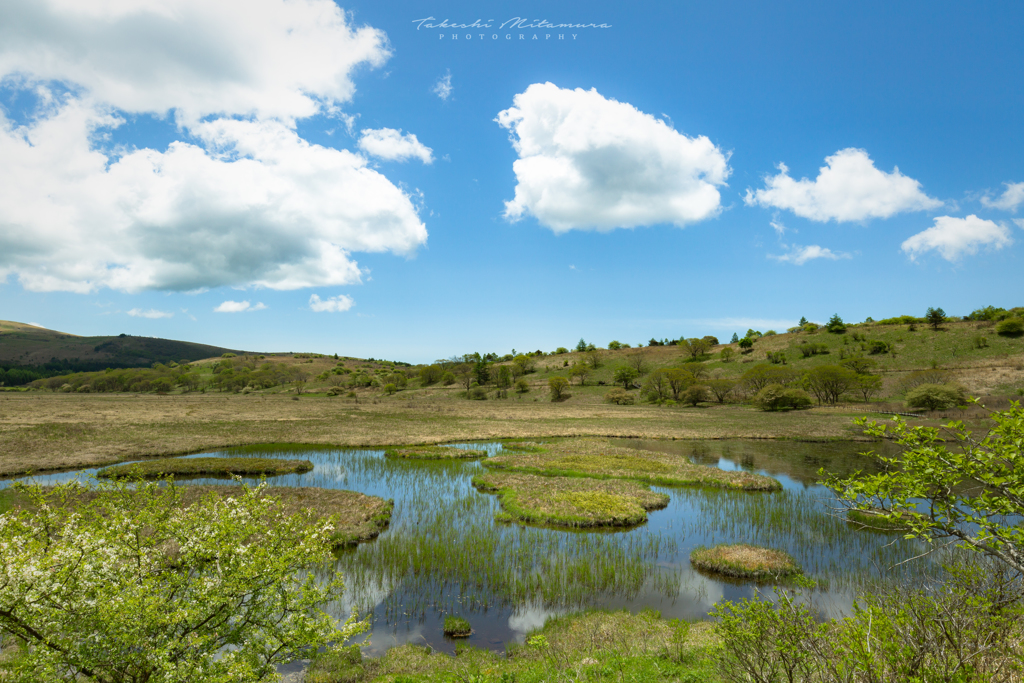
column 372, row 186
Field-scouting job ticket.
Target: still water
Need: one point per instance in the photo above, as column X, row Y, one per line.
column 444, row 554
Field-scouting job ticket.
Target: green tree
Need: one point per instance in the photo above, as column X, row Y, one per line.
column 123, row 582
column 503, row 378
column 614, row 345
column 657, row 388
column 974, row 486
column 726, row 354
column 558, row 387
column 580, row 371
column 835, row 325
column 746, row 343
column 522, row 386
column 625, row 376
column 695, row 347
column 735, row 338
column 694, row 394
column 803, row 321
column 829, row 382
column 581, row 345
column 1011, row 327
column 721, row 388
column 678, row 381
column 867, row 386
column 935, row 317
column 761, row 375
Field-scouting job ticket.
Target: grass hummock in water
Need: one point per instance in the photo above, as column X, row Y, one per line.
column 359, row 517
column 457, row 627
column 873, row 520
column 744, row 561
column 570, row 501
column 434, row 453
column 597, row 458
column 190, row 467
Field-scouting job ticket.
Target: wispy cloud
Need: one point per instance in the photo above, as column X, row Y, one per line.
column 1011, row 198
column 238, row 307
column 151, row 313
column 443, row 87
column 799, row 255
column 334, row 304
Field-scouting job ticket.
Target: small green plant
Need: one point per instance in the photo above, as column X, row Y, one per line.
column 457, row 627
column 937, row 396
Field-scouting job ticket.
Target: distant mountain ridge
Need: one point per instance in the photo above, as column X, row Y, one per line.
column 51, row 352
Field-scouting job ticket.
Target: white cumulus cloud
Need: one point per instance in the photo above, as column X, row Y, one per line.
column 799, row 255
column 1011, row 198
column 245, row 201
column 281, row 59
column 848, row 188
column 258, row 206
column 238, row 307
column 151, row 313
column 391, row 144
column 443, row 87
column 588, row 162
column 334, row 304
column 956, row 237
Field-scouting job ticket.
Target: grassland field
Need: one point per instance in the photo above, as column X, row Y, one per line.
column 46, row 430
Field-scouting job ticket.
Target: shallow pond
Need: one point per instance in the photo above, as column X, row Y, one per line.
column 444, row 554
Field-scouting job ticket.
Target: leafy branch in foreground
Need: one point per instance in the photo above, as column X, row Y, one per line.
column 972, row 489
column 122, row 583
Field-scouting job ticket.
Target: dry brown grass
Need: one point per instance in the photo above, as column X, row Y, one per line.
column 744, row 561
column 571, row 501
column 597, row 458
column 44, row 431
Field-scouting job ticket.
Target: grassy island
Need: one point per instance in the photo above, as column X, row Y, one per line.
column 570, row 501
column 193, row 467
column 743, row 561
column 457, row 627
column 598, row 459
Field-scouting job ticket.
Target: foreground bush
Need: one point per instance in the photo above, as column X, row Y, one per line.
column 965, row 629
column 123, row 583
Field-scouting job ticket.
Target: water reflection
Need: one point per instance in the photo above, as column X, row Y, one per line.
column 444, row 554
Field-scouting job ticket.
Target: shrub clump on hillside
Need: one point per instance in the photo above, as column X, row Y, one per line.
column 1011, row 327
column 619, row 397
column 937, row 396
column 779, row 397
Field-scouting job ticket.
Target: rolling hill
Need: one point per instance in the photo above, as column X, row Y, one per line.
column 51, row 352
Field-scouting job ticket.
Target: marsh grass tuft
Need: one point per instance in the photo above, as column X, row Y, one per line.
column 192, row 467
column 599, row 459
column 571, row 501
column 744, row 561
column 590, row 646
column 457, row 627
column 434, row 453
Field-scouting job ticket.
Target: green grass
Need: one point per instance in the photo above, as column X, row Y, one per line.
column 434, row 453
column 742, row 561
column 597, row 458
column 457, row 627
column 870, row 519
column 570, row 501
column 591, row 646
column 192, row 467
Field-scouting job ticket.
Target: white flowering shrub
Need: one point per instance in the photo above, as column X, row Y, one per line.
column 120, row 582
